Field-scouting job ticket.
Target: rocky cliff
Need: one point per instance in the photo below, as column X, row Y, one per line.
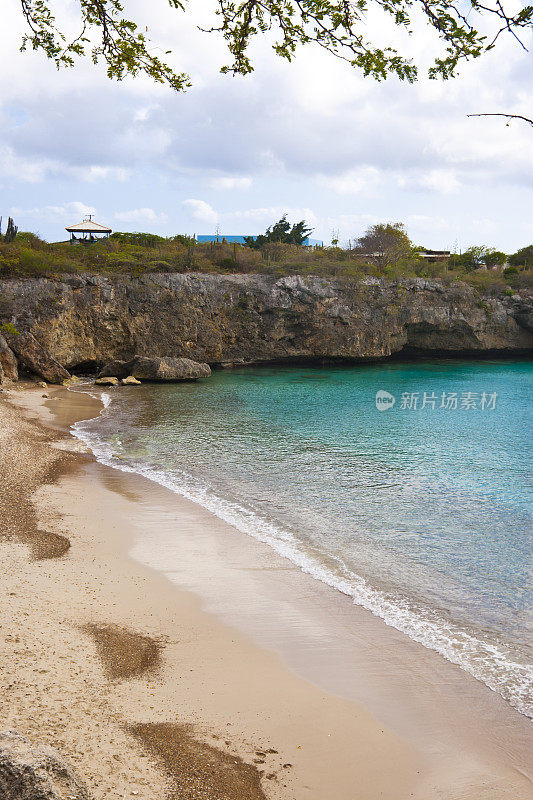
column 85, row 321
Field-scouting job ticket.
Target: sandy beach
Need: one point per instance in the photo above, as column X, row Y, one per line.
column 235, row 676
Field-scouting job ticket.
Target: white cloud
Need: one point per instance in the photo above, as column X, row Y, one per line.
column 37, row 168
column 229, row 182
column 426, row 223
column 443, row 181
column 97, row 172
column 483, row 226
column 272, row 214
column 142, row 114
column 73, row 211
column 346, row 221
column 201, row 210
column 141, row 215
column 76, row 207
column 28, row 169
column 362, row 181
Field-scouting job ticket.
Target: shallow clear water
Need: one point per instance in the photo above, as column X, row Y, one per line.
column 420, row 514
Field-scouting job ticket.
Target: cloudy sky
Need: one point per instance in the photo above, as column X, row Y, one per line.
column 312, row 138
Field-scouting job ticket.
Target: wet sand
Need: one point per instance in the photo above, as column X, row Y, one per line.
column 308, row 696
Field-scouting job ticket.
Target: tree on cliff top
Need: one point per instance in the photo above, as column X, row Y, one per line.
column 385, row 244
column 523, row 257
column 338, row 27
column 281, row 232
column 479, row 256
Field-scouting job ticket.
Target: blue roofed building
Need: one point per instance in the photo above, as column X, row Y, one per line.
column 240, row 239
column 219, row 238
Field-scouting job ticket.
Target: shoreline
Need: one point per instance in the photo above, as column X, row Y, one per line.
column 431, row 630
column 372, row 749
column 488, row 660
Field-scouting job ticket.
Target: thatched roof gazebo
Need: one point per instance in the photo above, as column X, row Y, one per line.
column 88, row 231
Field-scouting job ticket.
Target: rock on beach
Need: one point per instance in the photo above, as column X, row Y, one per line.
column 36, row 772
column 107, row 380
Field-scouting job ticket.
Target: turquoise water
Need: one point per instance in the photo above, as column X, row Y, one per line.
column 420, row 514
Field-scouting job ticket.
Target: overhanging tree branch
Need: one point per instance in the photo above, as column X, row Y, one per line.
column 500, row 114
column 338, row 26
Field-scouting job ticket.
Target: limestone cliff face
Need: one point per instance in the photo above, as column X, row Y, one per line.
column 85, row 321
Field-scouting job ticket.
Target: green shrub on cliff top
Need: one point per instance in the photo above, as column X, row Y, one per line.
column 139, row 253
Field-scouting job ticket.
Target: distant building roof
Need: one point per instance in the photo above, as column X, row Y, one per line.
column 88, row 226
column 434, row 254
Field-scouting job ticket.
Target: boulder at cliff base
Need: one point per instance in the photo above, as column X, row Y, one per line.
column 169, row 369
column 8, row 362
column 36, row 359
